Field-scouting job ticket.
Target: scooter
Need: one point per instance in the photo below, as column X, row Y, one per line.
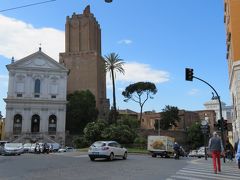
column 176, row 154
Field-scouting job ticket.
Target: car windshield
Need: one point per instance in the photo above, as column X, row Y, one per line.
column 99, row 144
column 13, row 145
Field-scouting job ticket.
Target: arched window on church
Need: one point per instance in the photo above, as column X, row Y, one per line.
column 52, row 124
column 17, row 124
column 37, row 87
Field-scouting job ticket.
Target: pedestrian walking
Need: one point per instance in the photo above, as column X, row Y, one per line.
column 216, row 148
column 229, row 150
column 238, row 155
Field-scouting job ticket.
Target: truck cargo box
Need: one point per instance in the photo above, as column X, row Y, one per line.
column 161, row 145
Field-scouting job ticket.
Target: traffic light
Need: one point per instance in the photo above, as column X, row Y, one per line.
column 189, row 74
column 218, row 124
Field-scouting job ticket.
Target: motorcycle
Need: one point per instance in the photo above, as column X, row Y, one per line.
column 176, row 154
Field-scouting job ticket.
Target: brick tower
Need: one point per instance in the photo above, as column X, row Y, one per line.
column 83, row 58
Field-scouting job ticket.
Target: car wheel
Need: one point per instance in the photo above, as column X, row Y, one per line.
column 111, row 157
column 92, row 158
column 125, row 155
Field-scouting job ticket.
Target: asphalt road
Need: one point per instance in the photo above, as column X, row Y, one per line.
column 73, row 166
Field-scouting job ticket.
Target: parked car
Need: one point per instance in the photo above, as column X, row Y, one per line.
column 192, row 153
column 1, row 150
column 2, row 143
column 106, row 149
column 201, row 152
column 27, row 147
column 32, row 148
column 13, row 149
column 54, row 147
column 66, row 149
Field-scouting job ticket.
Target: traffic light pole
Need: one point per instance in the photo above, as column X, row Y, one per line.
column 220, row 111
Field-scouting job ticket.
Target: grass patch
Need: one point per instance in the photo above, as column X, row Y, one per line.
column 137, row 150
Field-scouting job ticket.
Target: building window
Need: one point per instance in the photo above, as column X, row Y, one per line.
column 37, row 86
column 52, row 124
column 53, row 96
column 19, row 95
column 17, row 124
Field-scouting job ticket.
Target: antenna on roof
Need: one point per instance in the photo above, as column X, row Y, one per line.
column 40, row 48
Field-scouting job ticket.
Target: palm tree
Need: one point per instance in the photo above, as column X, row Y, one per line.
column 114, row 64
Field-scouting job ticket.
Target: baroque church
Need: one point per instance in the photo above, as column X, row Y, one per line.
column 38, row 85
column 36, row 99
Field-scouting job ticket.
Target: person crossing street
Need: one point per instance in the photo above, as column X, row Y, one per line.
column 216, row 148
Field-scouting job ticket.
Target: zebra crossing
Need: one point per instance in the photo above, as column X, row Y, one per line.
column 200, row 169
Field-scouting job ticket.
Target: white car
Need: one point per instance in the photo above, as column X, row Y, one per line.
column 201, row 152
column 192, row 153
column 106, row 149
column 13, row 149
column 66, row 149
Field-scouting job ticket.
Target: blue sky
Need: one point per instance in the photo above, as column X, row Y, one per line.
column 157, row 39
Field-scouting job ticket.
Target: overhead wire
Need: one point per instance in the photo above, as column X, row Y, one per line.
column 33, row 4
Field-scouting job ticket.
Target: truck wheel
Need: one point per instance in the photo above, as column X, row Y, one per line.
column 154, row 155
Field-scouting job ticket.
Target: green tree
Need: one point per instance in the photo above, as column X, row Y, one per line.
column 93, row 131
column 81, row 109
column 129, row 121
column 140, row 92
column 169, row 117
column 195, row 138
column 114, row 64
column 119, row 132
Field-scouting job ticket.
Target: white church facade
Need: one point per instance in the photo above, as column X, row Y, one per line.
column 36, row 100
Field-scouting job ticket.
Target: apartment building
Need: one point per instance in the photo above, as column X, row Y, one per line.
column 232, row 25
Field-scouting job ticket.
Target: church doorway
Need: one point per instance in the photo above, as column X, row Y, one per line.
column 35, row 126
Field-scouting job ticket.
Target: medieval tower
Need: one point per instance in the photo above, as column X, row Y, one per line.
column 83, row 58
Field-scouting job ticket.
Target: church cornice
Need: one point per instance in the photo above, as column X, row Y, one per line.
column 34, row 101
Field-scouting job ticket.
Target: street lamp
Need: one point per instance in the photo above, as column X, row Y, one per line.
column 205, row 131
column 108, row 1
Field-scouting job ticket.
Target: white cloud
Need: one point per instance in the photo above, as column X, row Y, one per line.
column 135, row 72
column 125, row 41
column 20, row 39
column 193, row 92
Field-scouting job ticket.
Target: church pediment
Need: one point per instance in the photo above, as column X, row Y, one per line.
column 38, row 60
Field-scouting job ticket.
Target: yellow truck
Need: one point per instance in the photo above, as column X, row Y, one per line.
column 160, row 146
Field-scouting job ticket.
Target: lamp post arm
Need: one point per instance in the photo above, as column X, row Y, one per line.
column 220, row 107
